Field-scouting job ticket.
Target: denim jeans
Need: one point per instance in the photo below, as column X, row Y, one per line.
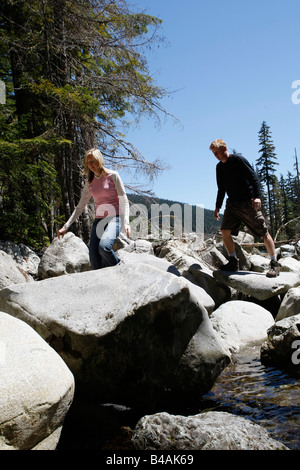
column 103, row 235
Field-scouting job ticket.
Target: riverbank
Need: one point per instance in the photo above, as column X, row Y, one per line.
column 164, row 295
column 265, row 395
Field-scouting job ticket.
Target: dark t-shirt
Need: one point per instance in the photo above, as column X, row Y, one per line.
column 237, row 178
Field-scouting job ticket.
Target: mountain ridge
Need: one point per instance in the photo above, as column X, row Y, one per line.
column 210, row 224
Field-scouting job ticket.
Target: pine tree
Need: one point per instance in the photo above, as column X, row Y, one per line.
column 266, row 164
column 263, row 196
column 297, row 185
column 74, row 71
column 277, row 207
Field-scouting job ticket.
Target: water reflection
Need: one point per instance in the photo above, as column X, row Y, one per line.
column 265, row 395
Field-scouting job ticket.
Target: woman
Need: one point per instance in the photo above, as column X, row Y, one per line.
column 111, row 203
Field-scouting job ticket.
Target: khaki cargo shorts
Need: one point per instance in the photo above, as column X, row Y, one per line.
column 240, row 212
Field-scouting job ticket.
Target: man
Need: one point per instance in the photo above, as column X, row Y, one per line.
column 236, row 177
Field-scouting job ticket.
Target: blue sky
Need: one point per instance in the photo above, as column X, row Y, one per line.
column 231, row 65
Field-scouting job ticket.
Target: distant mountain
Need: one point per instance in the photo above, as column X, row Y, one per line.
column 211, row 225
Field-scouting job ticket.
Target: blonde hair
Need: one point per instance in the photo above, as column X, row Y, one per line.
column 218, row 143
column 99, row 157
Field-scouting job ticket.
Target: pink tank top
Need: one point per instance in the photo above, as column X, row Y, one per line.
column 105, row 196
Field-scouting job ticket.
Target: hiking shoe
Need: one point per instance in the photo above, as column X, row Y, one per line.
column 274, row 269
column 232, row 265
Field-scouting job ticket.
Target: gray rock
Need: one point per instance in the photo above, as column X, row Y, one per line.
column 36, row 388
column 204, row 358
column 289, row 264
column 244, row 237
column 287, row 250
column 162, row 264
column 242, row 255
column 122, row 330
column 135, row 258
column 64, row 256
column 259, row 264
column 139, row 246
column 213, row 257
column 257, row 285
column 181, row 255
column 238, row 322
column 9, row 271
column 122, row 241
column 220, row 293
column 25, row 258
column 213, row 430
column 290, row 305
column 201, row 364
column 282, row 348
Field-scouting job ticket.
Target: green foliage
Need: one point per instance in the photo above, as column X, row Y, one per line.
column 266, row 171
column 280, row 197
column 73, row 71
column 28, row 191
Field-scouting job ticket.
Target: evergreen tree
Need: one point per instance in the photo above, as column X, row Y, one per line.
column 263, row 196
column 266, row 164
column 287, row 204
column 297, row 186
column 276, row 200
column 74, row 71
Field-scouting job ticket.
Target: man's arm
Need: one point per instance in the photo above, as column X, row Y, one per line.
column 251, row 176
column 221, row 190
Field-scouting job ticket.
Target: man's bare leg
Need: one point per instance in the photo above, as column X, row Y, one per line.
column 232, row 264
column 274, row 266
column 228, row 241
column 270, row 246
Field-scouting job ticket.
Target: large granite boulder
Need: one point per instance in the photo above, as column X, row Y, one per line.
column 165, row 266
column 282, row 347
column 220, row 293
column 290, row 304
column 122, row 330
column 243, row 256
column 36, row 389
column 9, row 271
column 201, row 364
column 287, row 250
column 64, row 256
column 213, row 257
column 238, row 322
column 257, row 285
column 26, row 259
column 289, row 264
column 193, row 264
column 212, row 430
column 182, row 255
column 259, row 263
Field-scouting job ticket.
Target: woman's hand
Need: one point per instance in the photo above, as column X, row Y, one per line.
column 127, row 230
column 61, row 232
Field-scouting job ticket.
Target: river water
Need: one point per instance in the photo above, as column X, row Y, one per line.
column 265, row 395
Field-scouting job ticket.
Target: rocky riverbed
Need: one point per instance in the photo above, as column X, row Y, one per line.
column 162, row 329
column 265, row 395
